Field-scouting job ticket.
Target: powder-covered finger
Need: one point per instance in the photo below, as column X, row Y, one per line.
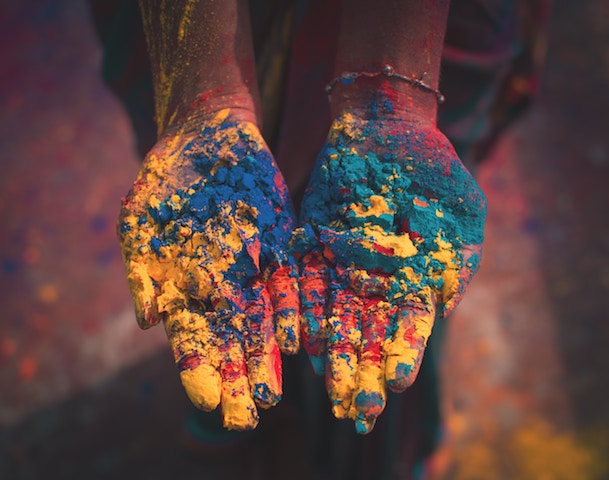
column 343, row 344
column 283, row 288
column 404, row 351
column 238, row 407
column 197, row 360
column 370, row 395
column 314, row 278
column 144, row 294
column 261, row 350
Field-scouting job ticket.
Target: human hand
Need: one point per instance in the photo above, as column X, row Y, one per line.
column 391, row 236
column 204, row 235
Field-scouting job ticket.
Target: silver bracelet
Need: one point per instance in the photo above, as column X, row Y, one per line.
column 347, row 78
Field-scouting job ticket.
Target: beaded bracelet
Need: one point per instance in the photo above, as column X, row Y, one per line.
column 347, row 78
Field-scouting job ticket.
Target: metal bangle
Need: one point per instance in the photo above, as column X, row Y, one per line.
column 347, row 78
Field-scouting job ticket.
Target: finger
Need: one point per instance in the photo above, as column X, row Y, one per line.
column 314, row 280
column 370, row 394
column 404, row 352
column 261, row 349
column 144, row 294
column 283, row 288
column 343, row 343
column 229, row 322
column 238, row 407
column 456, row 283
column 192, row 345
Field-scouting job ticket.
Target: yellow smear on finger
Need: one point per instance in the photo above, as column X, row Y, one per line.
column 238, row 408
column 141, row 286
column 171, row 298
column 189, row 335
column 425, row 319
column 341, row 383
column 203, row 386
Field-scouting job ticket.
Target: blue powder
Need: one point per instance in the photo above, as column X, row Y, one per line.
column 248, row 176
column 404, row 167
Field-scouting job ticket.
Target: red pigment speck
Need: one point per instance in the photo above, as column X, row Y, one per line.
column 328, row 254
column 384, row 250
column 409, row 335
column 420, row 203
column 345, row 190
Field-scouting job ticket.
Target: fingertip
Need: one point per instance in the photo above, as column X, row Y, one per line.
column 202, row 385
column 264, row 374
column 368, row 404
column 264, row 395
column 340, row 380
column 238, row 408
column 399, row 374
column 364, row 426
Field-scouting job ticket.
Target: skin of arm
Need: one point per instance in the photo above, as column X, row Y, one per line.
column 202, row 59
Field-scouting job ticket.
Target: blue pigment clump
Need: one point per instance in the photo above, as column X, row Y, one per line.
column 240, row 187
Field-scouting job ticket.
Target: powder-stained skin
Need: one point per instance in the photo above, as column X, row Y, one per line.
column 204, row 233
column 392, row 227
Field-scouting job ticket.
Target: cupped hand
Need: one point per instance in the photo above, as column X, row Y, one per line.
column 204, row 234
column 392, row 227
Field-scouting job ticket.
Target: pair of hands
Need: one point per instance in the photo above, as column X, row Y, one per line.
column 390, row 234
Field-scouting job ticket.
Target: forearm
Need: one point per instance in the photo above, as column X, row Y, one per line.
column 202, row 58
column 406, row 34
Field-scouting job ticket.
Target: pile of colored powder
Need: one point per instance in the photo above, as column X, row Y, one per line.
column 393, row 197
column 234, row 220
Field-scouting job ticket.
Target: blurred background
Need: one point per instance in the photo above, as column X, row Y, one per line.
column 85, row 394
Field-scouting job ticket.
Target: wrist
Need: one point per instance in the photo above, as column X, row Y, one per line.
column 384, row 98
column 204, row 106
